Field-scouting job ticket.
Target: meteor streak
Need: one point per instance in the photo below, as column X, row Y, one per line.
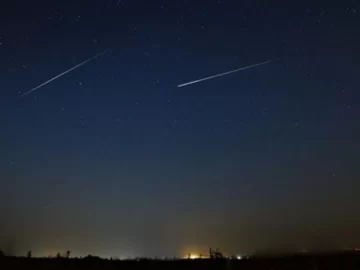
column 64, row 73
column 223, row 74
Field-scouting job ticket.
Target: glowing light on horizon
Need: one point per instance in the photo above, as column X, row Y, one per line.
column 194, row 256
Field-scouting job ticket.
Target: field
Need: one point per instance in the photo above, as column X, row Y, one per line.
column 340, row 261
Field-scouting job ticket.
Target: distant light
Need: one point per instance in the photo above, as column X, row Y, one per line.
column 194, row 256
column 238, row 257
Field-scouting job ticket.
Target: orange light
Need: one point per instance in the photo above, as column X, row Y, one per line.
column 194, row 256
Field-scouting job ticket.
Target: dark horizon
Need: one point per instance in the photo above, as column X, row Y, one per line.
column 110, row 157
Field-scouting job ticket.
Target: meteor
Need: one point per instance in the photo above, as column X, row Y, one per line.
column 64, row 73
column 223, row 74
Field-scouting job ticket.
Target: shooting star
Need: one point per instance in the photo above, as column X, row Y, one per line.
column 64, row 73
column 223, row 74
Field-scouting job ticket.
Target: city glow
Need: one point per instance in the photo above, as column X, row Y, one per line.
column 194, row 256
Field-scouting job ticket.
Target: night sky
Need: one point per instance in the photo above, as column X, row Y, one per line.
column 114, row 159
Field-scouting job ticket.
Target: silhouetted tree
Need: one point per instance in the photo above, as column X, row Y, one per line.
column 28, row 255
column 58, row 256
column 1, row 253
column 67, row 255
column 91, row 257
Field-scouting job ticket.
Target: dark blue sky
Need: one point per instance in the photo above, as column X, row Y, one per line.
column 113, row 159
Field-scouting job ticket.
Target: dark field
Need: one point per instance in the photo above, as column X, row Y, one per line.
column 302, row 262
